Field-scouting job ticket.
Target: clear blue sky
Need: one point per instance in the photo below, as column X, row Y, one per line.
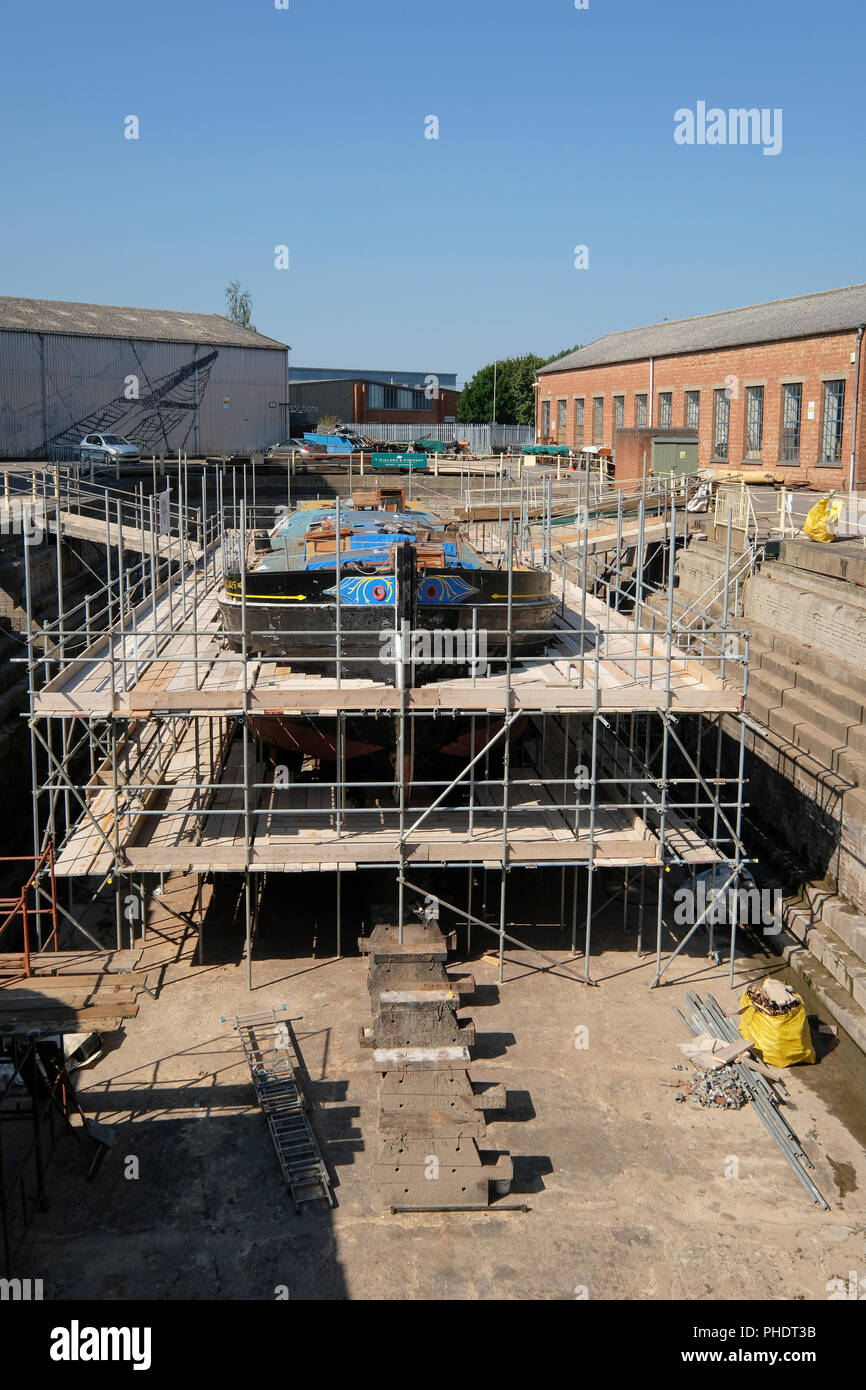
column 305, row 127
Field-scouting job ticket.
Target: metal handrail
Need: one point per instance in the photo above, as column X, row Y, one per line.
column 703, row 602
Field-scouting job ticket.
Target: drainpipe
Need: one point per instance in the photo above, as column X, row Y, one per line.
column 195, row 416
column 651, row 393
column 860, row 331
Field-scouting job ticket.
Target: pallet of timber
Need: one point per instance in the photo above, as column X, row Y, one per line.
column 76, row 983
column 73, row 1021
column 71, row 962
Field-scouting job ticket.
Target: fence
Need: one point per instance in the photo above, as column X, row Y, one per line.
column 482, row 438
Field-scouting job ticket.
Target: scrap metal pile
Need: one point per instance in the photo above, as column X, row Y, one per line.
column 431, row 1116
column 706, row 1016
column 718, row 1087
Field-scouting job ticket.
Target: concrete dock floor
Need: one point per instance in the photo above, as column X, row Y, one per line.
column 631, row 1194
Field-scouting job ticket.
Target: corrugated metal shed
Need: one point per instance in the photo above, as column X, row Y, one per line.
column 224, row 391
column 831, row 311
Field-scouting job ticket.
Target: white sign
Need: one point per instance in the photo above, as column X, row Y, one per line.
column 164, row 522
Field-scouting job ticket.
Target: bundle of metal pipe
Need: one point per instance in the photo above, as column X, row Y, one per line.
column 707, row 1016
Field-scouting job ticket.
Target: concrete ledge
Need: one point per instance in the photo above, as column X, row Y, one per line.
column 840, row 1005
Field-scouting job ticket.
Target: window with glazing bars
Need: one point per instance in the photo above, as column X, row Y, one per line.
column 792, row 408
column 754, row 421
column 640, row 410
column 561, row 419
column 597, row 419
column 545, row 419
column 832, row 421
column 382, row 397
column 618, row 412
column 722, row 421
column 578, row 419
column 666, row 402
column 693, row 409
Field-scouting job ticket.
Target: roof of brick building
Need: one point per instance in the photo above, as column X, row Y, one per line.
column 806, row 316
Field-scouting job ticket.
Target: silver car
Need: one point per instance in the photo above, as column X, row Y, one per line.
column 112, row 448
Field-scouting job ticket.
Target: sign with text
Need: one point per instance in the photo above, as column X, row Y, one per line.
column 411, row 461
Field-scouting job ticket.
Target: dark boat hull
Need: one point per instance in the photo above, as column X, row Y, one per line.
column 290, row 615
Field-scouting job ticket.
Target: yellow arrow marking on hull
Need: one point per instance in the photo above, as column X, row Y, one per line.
column 254, row 598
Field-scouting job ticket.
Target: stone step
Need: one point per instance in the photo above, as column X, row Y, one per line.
column 826, row 908
column 821, row 586
column 839, row 1002
column 844, row 698
column 852, row 766
column 800, row 705
column 763, row 694
column 770, row 661
column 831, row 623
column 839, row 562
column 803, row 734
column 806, row 654
column 846, row 968
column 847, row 924
column 857, row 741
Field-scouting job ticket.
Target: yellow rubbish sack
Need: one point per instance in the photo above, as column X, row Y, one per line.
column 780, row 1040
column 821, row 518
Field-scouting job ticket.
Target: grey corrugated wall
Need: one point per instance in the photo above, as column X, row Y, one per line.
column 197, row 397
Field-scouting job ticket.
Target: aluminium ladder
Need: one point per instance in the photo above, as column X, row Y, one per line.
column 271, row 1052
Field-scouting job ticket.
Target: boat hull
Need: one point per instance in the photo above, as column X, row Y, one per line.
column 457, row 619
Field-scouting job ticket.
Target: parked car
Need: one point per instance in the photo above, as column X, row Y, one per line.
column 287, row 447
column 111, row 448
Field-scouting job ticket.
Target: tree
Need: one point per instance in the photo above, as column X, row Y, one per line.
column 239, row 304
column 515, row 391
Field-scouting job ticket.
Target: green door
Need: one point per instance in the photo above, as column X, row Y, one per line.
column 679, row 456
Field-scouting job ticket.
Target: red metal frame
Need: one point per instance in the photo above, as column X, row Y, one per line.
column 13, row 908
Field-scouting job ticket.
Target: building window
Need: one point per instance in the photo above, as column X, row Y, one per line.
column 754, row 421
column 598, row 419
column 693, row 409
column 792, row 409
column 578, row 420
column 640, row 411
column 666, row 403
column 545, row 420
column 405, row 398
column 618, row 412
column 722, row 421
column 561, row 419
column 832, row 421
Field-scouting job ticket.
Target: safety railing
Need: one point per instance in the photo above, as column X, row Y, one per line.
column 19, row 910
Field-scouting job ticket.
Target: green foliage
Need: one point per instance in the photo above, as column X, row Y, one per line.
column 515, row 391
column 239, row 304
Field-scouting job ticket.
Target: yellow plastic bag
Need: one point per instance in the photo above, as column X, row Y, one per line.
column 823, row 515
column 780, row 1040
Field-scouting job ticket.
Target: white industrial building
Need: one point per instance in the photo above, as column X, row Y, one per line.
column 164, row 379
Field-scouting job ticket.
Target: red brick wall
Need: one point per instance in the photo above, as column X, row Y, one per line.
column 630, row 445
column 445, row 404
column 764, row 364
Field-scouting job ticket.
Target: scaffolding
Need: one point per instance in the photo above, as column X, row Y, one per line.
column 146, row 729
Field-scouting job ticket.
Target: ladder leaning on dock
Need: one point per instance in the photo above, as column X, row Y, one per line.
column 270, row 1049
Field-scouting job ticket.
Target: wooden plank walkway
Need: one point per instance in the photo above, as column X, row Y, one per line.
column 173, row 660
column 298, row 827
column 93, row 528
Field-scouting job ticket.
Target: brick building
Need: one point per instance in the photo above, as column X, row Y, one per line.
column 374, row 398
column 774, row 387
